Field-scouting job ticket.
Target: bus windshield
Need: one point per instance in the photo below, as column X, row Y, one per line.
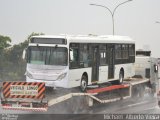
column 47, row 55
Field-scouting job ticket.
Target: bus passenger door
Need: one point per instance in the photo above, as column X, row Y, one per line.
column 95, row 64
column 110, row 61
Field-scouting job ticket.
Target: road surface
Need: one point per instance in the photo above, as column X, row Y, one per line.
column 145, row 105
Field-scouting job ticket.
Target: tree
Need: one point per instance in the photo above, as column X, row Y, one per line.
column 4, row 42
column 17, row 50
column 12, row 67
column 34, row 34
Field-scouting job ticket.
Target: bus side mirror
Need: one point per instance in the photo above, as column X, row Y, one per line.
column 24, row 54
column 71, row 55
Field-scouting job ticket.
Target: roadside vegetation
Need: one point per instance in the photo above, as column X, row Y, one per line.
column 12, row 66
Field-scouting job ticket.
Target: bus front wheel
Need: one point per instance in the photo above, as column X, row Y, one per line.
column 83, row 85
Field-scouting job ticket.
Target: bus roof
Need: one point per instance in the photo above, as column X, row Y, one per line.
column 91, row 38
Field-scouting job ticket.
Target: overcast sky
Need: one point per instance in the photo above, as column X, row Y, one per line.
column 19, row 18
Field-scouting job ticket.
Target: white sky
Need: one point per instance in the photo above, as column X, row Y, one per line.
column 19, row 18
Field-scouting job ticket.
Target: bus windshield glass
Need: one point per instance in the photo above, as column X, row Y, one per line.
column 48, row 55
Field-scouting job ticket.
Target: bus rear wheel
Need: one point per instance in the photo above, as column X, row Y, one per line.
column 83, row 85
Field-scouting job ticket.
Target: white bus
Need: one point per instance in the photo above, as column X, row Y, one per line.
column 70, row 61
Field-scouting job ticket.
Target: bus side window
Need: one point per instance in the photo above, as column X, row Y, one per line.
column 84, row 55
column 118, row 51
column 125, row 54
column 74, row 56
column 131, row 53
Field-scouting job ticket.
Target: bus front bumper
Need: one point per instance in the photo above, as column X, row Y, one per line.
column 47, row 83
column 50, row 83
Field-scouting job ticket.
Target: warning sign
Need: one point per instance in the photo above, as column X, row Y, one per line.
column 24, row 90
column 33, row 90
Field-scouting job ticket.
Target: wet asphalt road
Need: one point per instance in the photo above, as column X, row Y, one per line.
column 146, row 105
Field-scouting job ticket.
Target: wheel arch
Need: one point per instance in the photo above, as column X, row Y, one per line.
column 85, row 74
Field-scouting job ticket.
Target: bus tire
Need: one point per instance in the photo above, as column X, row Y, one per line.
column 83, row 85
column 121, row 77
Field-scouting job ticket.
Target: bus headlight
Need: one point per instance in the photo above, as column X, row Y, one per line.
column 60, row 77
column 29, row 75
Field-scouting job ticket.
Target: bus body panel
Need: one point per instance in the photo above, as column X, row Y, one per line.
column 52, row 75
column 128, row 70
column 73, row 76
column 103, row 73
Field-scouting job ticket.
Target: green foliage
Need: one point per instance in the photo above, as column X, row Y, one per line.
column 12, row 66
column 34, row 34
column 4, row 42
